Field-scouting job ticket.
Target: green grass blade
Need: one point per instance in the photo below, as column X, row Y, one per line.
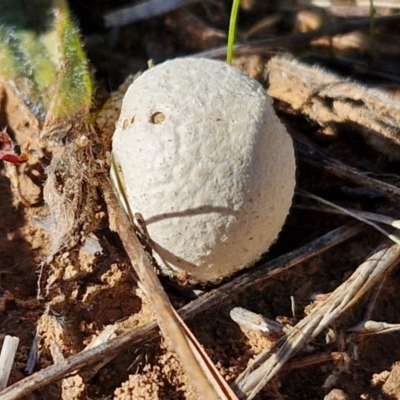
column 232, row 31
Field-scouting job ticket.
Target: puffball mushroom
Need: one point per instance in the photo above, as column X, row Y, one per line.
column 206, row 161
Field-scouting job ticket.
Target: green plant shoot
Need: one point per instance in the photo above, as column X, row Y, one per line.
column 232, row 31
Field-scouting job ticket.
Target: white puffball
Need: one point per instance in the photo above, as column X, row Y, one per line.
column 207, row 163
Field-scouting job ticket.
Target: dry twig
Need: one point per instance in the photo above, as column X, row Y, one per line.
column 374, row 327
column 311, row 153
column 352, row 213
column 333, row 101
column 8, row 351
column 269, row 363
column 203, row 375
column 270, row 328
column 384, row 219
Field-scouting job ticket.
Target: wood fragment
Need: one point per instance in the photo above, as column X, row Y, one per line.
column 270, row 328
column 7, row 355
column 374, row 327
column 310, row 360
column 109, row 332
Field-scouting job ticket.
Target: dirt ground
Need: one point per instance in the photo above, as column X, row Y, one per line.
column 58, row 308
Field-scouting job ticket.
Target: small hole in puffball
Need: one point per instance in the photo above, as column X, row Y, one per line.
column 157, row 118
